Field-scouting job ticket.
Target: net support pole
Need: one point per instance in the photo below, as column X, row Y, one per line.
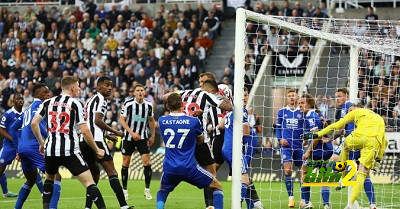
column 240, row 53
column 259, row 77
column 353, row 88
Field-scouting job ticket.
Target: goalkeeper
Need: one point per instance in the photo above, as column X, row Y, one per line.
column 369, row 137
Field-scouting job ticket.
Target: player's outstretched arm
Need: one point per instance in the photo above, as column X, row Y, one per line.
column 349, row 117
column 87, row 135
column 101, row 124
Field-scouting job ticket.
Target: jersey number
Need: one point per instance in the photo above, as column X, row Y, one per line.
column 61, row 116
column 171, row 132
column 27, row 117
column 227, row 120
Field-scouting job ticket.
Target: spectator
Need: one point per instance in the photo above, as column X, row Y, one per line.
column 371, row 14
column 298, row 9
column 28, row 99
column 12, row 80
column 141, row 78
column 287, row 12
column 309, row 10
column 171, row 22
column 273, row 10
column 77, row 13
column 213, row 23
column 359, row 29
column 51, row 80
column 228, row 75
column 201, row 13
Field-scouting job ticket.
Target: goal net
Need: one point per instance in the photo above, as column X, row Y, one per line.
column 314, row 56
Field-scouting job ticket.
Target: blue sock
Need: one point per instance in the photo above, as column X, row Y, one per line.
column 56, row 195
column 39, row 183
column 161, row 198
column 289, row 184
column 23, row 195
column 325, row 195
column 305, row 194
column 369, row 190
column 244, row 191
column 3, row 183
column 218, row 199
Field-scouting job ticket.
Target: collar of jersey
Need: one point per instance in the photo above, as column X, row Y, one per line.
column 177, row 114
column 292, row 110
column 36, row 99
column 309, row 112
column 138, row 102
column 15, row 111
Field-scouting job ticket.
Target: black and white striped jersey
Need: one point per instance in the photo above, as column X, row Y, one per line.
column 137, row 117
column 215, row 116
column 63, row 114
column 96, row 104
column 193, row 100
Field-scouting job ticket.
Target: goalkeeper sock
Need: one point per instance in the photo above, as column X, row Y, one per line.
column 360, row 178
column 161, row 198
column 39, row 183
column 244, row 190
column 116, row 187
column 325, row 195
column 289, row 185
column 305, row 194
column 47, row 193
column 124, row 176
column 369, row 190
column 56, row 195
column 23, row 195
column 218, row 199
column 3, row 183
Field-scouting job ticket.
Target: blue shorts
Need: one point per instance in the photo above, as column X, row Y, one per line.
column 7, row 155
column 196, row 176
column 31, row 160
column 228, row 158
column 353, row 155
column 294, row 156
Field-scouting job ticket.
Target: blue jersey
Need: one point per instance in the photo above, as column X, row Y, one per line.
column 313, row 122
column 344, row 109
column 8, row 118
column 179, row 133
column 228, row 135
column 28, row 139
column 289, row 126
column 250, row 145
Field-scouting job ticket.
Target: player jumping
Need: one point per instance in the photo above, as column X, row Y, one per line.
column 180, row 133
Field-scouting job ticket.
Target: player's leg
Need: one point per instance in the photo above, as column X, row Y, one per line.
column 168, row 183
column 218, row 195
column 108, row 165
column 144, row 152
column 77, row 166
column 128, row 147
column 91, row 160
column 205, row 160
column 286, row 159
column 39, row 183
column 217, row 151
column 30, row 173
column 55, row 197
column 305, row 191
column 7, row 155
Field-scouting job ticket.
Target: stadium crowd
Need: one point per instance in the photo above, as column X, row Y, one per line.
column 164, row 53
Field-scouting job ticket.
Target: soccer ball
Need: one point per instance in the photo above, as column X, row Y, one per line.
column 225, row 91
column 340, row 166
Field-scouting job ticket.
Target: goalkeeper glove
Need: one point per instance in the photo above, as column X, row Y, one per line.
column 377, row 164
column 308, row 136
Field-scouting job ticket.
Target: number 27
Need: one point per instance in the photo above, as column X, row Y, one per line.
column 184, row 133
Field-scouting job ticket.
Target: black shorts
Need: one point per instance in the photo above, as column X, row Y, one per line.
column 74, row 163
column 128, row 147
column 203, row 155
column 91, row 157
column 217, row 148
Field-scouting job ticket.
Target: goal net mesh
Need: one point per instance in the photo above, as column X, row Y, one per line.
column 313, row 56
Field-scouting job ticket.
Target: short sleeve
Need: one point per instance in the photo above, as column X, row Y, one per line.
column 3, row 121
column 198, row 128
column 80, row 114
column 245, row 116
column 213, row 100
column 151, row 112
column 42, row 110
column 102, row 106
column 124, row 110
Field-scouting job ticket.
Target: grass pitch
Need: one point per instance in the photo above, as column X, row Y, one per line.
column 273, row 196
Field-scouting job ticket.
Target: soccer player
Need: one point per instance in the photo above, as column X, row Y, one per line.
column 227, row 147
column 8, row 151
column 369, row 137
column 136, row 118
column 289, row 127
column 180, row 133
column 321, row 149
column 342, row 101
column 96, row 108
column 28, row 148
column 64, row 114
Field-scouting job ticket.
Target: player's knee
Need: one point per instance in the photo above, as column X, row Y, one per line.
column 216, row 184
column 288, row 171
column 125, row 161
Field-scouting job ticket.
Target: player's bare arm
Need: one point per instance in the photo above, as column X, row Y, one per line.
column 221, row 123
column 200, row 139
column 152, row 125
column 110, row 137
column 165, row 97
column 124, row 125
column 3, row 133
column 36, row 131
column 87, row 135
column 101, row 124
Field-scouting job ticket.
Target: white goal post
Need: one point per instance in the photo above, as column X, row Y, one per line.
column 355, row 43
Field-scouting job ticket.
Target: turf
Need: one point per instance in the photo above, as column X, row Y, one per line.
column 185, row 196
